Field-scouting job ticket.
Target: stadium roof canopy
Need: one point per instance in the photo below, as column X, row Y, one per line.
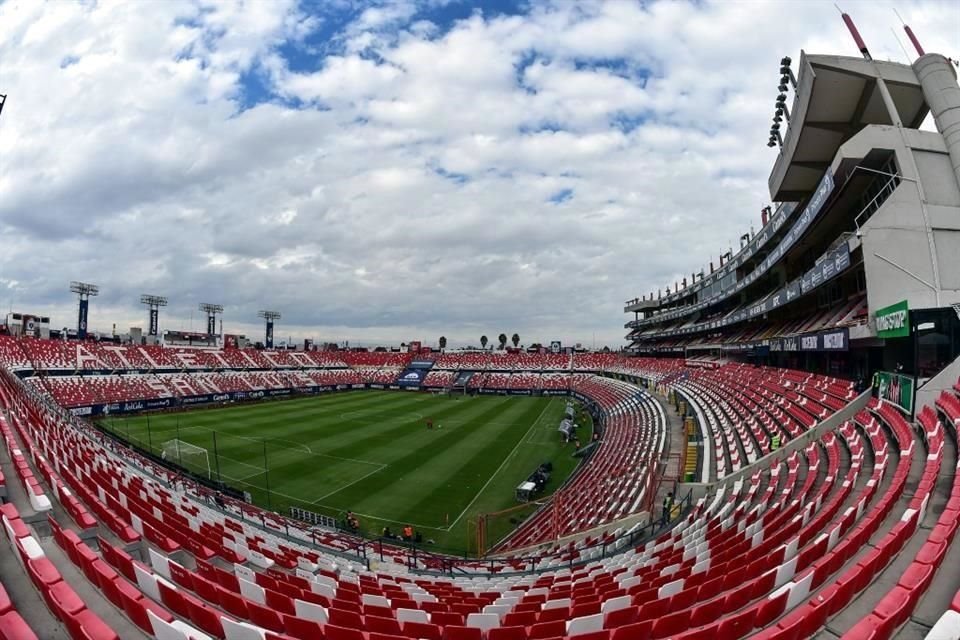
column 836, row 96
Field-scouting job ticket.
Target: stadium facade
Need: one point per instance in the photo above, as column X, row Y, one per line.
column 867, row 231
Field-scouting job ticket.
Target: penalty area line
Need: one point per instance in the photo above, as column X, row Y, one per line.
column 364, row 476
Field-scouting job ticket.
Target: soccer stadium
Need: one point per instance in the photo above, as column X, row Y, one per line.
column 770, row 451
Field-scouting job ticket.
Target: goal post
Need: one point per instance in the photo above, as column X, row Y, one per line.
column 189, row 456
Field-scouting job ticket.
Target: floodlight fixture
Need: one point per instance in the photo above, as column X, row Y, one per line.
column 269, row 316
column 84, row 289
column 787, row 72
column 211, row 310
column 152, row 300
column 153, row 304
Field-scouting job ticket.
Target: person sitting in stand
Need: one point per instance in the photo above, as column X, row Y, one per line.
column 386, row 533
column 407, row 533
column 352, row 523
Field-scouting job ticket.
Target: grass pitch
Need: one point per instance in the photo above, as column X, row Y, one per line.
column 371, row 452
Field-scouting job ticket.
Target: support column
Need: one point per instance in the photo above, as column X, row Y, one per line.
column 938, row 79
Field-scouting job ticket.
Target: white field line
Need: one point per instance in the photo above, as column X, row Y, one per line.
column 308, row 449
column 502, row 464
column 366, row 475
column 368, row 417
column 246, row 464
column 382, row 519
column 242, row 478
column 257, row 440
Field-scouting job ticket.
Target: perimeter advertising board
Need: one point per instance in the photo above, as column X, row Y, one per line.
column 895, row 388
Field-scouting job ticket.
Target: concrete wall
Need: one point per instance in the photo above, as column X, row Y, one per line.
column 911, row 245
column 932, row 388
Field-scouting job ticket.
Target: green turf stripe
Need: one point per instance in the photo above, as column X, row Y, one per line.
column 470, row 474
column 436, row 453
column 331, row 447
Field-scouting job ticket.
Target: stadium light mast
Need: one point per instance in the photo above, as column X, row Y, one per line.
column 269, row 316
column 84, row 291
column 154, row 303
column 211, row 310
column 3, row 101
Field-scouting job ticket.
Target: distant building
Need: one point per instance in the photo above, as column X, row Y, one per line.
column 27, row 324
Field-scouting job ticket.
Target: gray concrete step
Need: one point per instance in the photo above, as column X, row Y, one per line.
column 863, row 604
column 91, row 595
column 26, row 599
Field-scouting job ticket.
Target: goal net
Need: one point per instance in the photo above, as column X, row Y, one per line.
column 189, row 456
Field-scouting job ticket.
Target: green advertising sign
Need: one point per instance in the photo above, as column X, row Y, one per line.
column 895, row 388
column 893, row 321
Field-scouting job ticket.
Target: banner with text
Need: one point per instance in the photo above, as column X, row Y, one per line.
column 893, row 321
column 895, row 388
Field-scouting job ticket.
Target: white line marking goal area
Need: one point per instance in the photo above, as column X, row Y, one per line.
column 298, row 446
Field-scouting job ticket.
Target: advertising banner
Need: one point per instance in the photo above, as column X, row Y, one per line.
column 412, row 377
column 555, row 346
column 714, row 292
column 154, row 322
column 211, row 324
column 832, row 264
column 895, row 388
column 82, row 319
column 269, row 340
column 831, row 340
column 893, row 321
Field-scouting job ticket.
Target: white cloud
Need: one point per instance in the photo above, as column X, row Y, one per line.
column 398, row 185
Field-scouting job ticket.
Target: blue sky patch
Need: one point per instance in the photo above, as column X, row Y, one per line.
column 561, row 196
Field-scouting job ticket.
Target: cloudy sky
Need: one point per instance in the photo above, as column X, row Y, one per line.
column 387, row 171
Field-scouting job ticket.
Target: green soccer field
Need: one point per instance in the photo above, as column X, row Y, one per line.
column 371, row 452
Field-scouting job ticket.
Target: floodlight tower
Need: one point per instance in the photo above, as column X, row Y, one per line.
column 84, row 291
column 3, row 100
column 211, row 310
column 154, row 303
column 269, row 316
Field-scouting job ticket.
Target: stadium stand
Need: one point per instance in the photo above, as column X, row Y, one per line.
column 803, row 529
